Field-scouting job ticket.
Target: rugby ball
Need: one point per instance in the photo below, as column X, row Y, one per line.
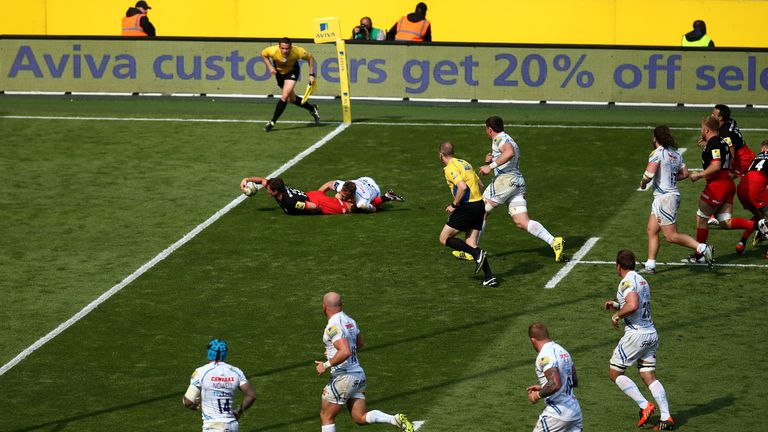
column 250, row 188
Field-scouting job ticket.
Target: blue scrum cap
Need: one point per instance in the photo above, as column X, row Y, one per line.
column 217, row 350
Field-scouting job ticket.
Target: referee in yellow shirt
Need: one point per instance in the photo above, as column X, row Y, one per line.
column 466, row 210
column 282, row 60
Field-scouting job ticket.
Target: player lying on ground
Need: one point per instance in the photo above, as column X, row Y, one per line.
column 367, row 197
column 296, row 202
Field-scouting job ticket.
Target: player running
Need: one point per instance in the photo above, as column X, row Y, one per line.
column 212, row 390
column 639, row 343
column 717, row 197
column 508, row 185
column 347, row 381
column 665, row 167
column 557, row 379
column 753, row 193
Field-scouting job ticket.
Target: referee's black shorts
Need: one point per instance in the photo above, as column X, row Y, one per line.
column 467, row 217
column 293, row 75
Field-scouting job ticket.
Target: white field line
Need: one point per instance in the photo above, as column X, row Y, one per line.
column 647, row 188
column 681, row 264
column 161, row 256
column 572, row 263
column 367, row 123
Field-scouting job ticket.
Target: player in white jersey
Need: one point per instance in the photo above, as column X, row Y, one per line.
column 368, row 197
column 557, row 378
column 639, row 343
column 508, row 185
column 665, row 167
column 346, row 385
column 212, row 390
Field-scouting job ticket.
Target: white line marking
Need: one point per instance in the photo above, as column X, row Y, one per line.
column 231, row 120
column 681, row 264
column 161, row 256
column 417, row 424
column 572, row 263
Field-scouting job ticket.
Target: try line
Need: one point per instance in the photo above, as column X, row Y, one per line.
column 682, row 264
column 162, row 255
column 367, row 123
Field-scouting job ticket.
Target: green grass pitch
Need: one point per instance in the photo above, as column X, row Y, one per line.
column 86, row 202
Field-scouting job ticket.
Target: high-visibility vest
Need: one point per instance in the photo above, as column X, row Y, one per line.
column 131, row 26
column 703, row 42
column 411, row 31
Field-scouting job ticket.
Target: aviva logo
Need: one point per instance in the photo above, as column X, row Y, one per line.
column 327, row 30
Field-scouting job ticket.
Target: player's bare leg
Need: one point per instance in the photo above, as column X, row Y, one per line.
column 328, row 413
column 652, row 231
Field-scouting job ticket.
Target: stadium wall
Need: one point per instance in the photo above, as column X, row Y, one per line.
column 489, row 72
column 731, row 23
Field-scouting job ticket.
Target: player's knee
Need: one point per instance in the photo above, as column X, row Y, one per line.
column 359, row 419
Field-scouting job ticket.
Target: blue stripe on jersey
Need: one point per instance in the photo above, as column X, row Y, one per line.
column 334, row 391
column 554, row 407
column 544, row 424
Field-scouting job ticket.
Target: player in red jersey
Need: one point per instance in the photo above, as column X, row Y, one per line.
column 741, row 158
column 331, row 205
column 753, row 193
column 741, row 154
column 294, row 201
column 717, row 196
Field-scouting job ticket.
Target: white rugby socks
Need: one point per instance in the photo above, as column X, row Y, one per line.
column 658, row 392
column 377, row 416
column 537, row 230
column 630, row 389
column 328, row 428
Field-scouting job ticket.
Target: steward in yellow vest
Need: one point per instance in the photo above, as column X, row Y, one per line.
column 698, row 36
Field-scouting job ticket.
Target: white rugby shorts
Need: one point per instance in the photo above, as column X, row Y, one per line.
column 665, row 207
column 507, row 188
column 636, row 347
column 217, row 426
column 553, row 424
column 341, row 388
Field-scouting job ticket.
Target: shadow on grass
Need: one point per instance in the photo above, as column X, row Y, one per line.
column 683, row 416
column 61, row 423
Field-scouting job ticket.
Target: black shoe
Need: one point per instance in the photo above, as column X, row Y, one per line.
column 393, row 196
column 667, row 424
column 268, row 127
column 315, row 114
column 480, row 260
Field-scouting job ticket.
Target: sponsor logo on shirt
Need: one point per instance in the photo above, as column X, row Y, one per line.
column 223, row 379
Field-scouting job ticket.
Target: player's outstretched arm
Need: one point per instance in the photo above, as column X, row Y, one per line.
column 326, row 186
